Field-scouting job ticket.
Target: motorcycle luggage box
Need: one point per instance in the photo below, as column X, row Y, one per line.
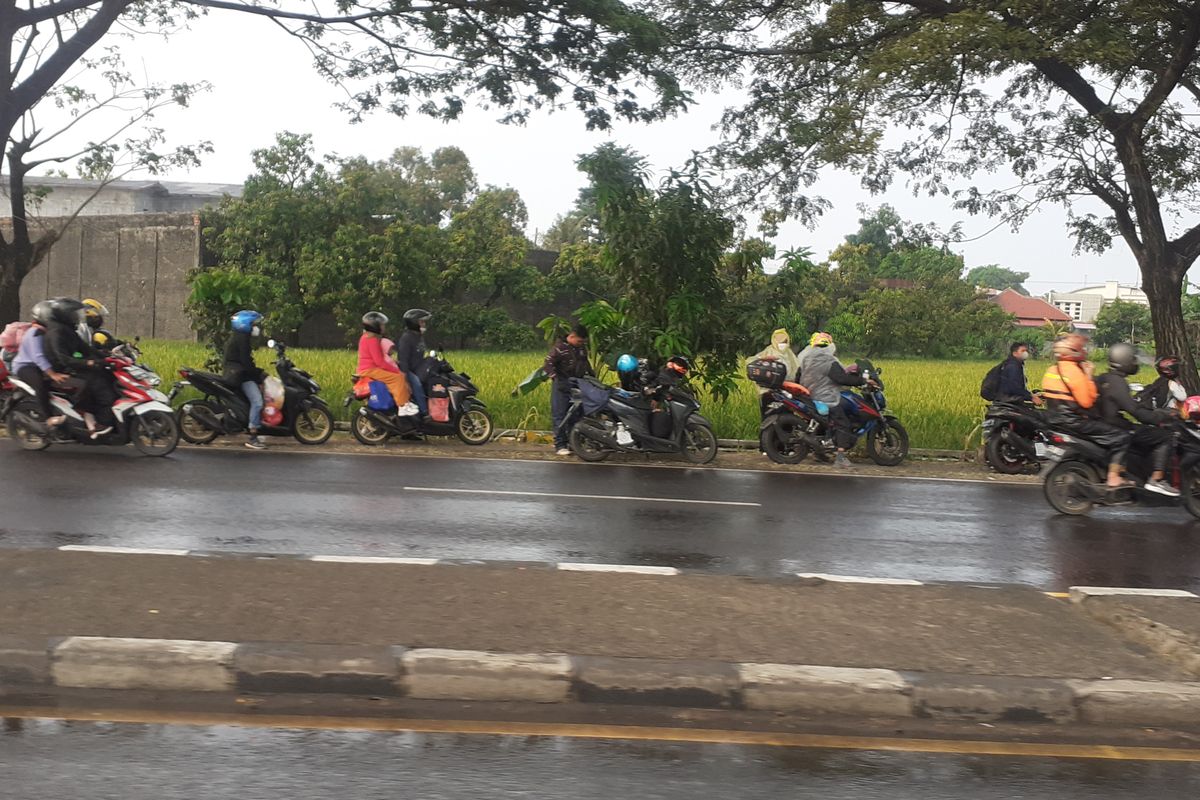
column 767, row 374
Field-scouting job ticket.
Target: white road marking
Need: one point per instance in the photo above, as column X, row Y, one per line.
column 1108, row 591
column 583, row 496
column 860, row 579
column 141, row 551
column 633, row 568
column 422, row 562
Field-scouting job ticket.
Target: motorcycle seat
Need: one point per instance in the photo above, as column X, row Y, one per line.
column 215, row 378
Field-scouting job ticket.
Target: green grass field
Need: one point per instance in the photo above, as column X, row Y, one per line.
column 937, row 401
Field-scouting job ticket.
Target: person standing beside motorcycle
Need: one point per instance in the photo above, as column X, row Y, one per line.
column 1166, row 391
column 33, row 367
column 410, row 352
column 1147, row 438
column 780, row 349
column 241, row 370
column 70, row 353
column 373, row 363
column 1014, row 386
column 824, row 376
column 568, row 359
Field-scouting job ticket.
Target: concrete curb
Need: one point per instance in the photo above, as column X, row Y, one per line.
column 100, row 663
column 1108, row 605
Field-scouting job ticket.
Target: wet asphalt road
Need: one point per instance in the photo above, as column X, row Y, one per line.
column 731, row 522
column 45, row 760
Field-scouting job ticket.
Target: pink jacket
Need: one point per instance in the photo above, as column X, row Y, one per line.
column 371, row 355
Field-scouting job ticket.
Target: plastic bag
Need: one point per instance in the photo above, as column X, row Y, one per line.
column 273, row 392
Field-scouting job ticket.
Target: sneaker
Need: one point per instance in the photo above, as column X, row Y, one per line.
column 841, row 462
column 563, row 451
column 96, row 434
column 254, row 443
column 1161, row 487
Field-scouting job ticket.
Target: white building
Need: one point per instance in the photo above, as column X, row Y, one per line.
column 1084, row 304
column 65, row 195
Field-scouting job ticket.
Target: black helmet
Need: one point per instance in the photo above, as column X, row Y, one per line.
column 1168, row 366
column 1122, row 359
column 374, row 321
column 682, row 364
column 66, row 310
column 414, row 317
column 43, row 313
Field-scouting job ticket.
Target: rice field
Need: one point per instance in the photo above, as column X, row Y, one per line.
column 937, row 401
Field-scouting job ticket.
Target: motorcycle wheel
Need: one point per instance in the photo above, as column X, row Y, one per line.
column 368, row 431
column 887, row 443
column 155, row 433
column 1003, row 457
column 22, row 434
column 313, row 426
column 1066, row 487
column 783, row 452
column 474, row 427
column 1191, row 492
column 698, row 443
column 587, row 449
column 192, row 430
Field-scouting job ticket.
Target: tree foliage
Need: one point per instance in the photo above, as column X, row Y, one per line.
column 994, row 276
column 1122, row 321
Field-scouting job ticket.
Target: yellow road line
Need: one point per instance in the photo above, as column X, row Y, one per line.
column 626, row 732
column 1059, row 595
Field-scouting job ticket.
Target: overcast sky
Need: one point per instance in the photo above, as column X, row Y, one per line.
column 263, row 83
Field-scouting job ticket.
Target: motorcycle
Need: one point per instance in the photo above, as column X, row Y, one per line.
column 1077, row 480
column 603, row 420
column 144, row 417
column 1015, row 437
column 454, row 405
column 794, row 424
column 7, row 396
column 224, row 410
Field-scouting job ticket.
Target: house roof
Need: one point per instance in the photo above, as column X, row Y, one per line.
column 1031, row 308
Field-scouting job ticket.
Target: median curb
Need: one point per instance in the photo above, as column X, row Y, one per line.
column 173, row 665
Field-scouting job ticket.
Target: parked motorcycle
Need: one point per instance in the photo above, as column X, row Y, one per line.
column 144, row 417
column 603, row 420
column 1077, row 480
column 794, row 424
column 1015, row 437
column 224, row 410
column 454, row 407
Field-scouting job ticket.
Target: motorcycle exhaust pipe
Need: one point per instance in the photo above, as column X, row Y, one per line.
column 205, row 417
column 29, row 423
column 1018, row 441
column 597, row 435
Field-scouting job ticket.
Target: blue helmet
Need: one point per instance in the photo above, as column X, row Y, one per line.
column 626, row 363
column 244, row 321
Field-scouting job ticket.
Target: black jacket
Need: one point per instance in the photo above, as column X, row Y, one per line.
column 410, row 351
column 239, row 361
column 565, row 362
column 66, row 349
column 1013, row 385
column 1115, row 397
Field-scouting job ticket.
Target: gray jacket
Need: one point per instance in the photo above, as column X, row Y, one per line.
column 815, row 363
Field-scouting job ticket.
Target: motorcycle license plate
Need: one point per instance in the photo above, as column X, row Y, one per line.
column 1053, row 452
column 1041, row 449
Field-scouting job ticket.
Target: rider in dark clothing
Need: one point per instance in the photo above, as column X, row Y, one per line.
column 1116, row 399
column 69, row 353
column 410, row 352
column 1014, row 388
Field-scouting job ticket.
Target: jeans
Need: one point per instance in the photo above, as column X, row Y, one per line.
column 254, row 394
column 418, row 393
column 560, row 404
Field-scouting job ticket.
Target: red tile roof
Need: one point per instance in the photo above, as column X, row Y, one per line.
column 1029, row 311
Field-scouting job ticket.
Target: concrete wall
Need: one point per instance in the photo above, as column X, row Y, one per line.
column 137, row 266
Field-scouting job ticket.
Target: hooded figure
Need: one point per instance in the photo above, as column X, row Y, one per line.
column 780, row 349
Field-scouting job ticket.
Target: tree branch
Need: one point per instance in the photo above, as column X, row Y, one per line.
column 1188, row 245
column 1185, row 54
column 32, row 16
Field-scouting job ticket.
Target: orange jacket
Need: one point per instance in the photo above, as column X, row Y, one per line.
column 1067, row 382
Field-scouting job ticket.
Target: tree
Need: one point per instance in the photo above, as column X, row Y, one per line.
column 1078, row 100
column 1121, row 321
column 516, row 56
column 994, row 276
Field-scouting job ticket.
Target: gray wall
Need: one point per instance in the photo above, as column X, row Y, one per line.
column 137, row 266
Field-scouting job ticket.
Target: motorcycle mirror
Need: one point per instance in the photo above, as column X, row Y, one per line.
column 1136, row 387
column 433, row 354
column 271, row 343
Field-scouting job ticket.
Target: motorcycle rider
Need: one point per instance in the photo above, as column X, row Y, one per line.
column 410, row 352
column 1014, row 386
column 102, row 339
column 780, row 349
column 568, row 359
column 1147, row 438
column 824, row 376
column 70, row 353
column 1071, row 397
column 32, row 366
column 241, row 370
column 1166, row 391
column 374, row 365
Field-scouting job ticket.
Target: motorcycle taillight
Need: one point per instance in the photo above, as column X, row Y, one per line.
column 183, row 373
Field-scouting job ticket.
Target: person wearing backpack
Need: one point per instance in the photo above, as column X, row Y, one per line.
column 33, row 367
column 1166, row 391
column 1006, row 382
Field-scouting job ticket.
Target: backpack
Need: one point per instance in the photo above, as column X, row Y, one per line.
column 381, row 397
column 13, row 333
column 990, row 388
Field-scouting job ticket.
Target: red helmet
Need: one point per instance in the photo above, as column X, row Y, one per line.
column 1168, row 366
column 1190, row 408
